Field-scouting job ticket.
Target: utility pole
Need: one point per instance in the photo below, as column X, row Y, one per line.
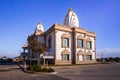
column 102, row 56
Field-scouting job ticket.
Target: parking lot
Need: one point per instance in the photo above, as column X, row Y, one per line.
column 80, row 72
column 90, row 72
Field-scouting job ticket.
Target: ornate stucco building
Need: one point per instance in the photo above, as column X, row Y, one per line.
column 67, row 43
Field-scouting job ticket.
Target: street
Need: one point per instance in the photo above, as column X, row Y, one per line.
column 91, row 72
column 13, row 72
column 80, row 72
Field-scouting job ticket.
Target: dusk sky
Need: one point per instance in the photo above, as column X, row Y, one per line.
column 18, row 19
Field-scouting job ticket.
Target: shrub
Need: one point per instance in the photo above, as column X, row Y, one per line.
column 51, row 70
column 47, row 69
column 37, row 68
column 44, row 69
column 28, row 68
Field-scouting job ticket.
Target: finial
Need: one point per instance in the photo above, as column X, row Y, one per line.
column 70, row 9
column 39, row 29
column 71, row 19
column 39, row 23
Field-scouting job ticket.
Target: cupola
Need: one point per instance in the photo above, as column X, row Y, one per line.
column 39, row 29
column 71, row 19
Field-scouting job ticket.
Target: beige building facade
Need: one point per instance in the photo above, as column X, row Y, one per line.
column 67, row 43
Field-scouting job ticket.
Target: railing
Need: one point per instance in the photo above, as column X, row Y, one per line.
column 48, row 54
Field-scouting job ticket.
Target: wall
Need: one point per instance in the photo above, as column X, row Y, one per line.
column 93, row 47
column 77, row 49
column 59, row 47
column 52, row 43
column 41, row 39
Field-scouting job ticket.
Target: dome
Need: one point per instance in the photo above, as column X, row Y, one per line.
column 71, row 19
column 39, row 29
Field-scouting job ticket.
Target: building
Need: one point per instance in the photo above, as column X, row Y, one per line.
column 17, row 59
column 67, row 43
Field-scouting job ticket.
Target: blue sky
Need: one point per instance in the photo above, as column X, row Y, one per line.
column 18, row 19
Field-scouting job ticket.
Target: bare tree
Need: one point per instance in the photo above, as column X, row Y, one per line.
column 36, row 46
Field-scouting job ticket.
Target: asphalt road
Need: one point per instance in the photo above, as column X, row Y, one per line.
column 81, row 72
column 13, row 72
column 91, row 72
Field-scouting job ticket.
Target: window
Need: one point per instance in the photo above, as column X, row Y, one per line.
column 89, row 46
column 65, row 42
column 80, row 43
column 80, row 57
column 89, row 57
column 66, row 57
column 49, row 42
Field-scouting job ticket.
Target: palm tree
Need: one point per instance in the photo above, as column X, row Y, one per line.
column 36, row 46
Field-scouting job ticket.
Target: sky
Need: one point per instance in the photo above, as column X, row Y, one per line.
column 18, row 19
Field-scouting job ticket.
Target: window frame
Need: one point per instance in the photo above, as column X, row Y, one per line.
column 90, row 57
column 81, row 46
column 78, row 57
column 64, row 43
column 90, row 45
column 65, row 57
column 49, row 42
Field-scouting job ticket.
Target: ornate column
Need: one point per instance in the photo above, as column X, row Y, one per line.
column 55, row 31
column 85, row 46
column 74, row 46
column 95, row 46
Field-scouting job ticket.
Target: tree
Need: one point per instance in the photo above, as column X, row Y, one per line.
column 36, row 46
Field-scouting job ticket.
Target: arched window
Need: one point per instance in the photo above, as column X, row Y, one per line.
column 65, row 55
column 49, row 42
column 89, row 55
column 65, row 40
column 80, row 55
column 89, row 43
column 80, row 41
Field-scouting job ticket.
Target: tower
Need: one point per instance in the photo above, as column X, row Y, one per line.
column 39, row 29
column 71, row 19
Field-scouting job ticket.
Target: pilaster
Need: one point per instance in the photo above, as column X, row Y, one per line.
column 55, row 53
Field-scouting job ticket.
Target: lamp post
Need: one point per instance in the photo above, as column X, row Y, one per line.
column 102, row 54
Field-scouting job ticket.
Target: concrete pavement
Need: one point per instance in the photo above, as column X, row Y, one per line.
column 13, row 72
column 90, row 72
column 81, row 72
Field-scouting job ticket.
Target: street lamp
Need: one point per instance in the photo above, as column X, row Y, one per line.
column 102, row 54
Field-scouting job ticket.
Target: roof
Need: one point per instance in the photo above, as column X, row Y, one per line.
column 25, row 45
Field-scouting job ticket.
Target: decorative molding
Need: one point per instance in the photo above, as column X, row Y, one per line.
column 80, row 52
column 80, row 37
column 88, row 39
column 66, row 35
column 65, row 51
column 62, row 62
column 89, row 53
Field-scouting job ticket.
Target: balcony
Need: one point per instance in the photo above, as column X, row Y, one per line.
column 47, row 55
